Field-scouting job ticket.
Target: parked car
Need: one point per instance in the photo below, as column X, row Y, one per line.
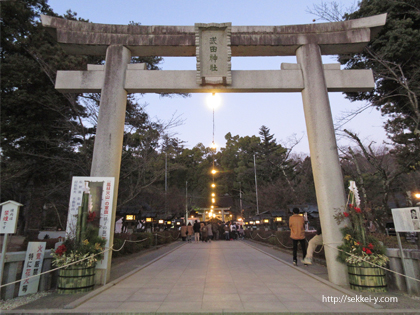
column 390, row 228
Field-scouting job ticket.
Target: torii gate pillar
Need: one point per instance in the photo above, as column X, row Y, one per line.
column 324, row 156
column 106, row 159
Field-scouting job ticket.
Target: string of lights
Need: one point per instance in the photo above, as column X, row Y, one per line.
column 214, row 101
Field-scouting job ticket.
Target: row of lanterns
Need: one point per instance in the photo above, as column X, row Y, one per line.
column 263, row 221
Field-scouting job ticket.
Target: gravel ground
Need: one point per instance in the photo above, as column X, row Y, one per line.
column 22, row 300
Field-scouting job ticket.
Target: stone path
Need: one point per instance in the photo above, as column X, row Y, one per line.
column 237, row 277
column 220, row 277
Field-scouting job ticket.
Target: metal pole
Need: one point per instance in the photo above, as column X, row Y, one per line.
column 156, row 240
column 407, row 281
column 3, row 254
column 104, row 279
column 240, row 196
column 186, row 202
column 166, row 181
column 256, row 186
column 166, row 172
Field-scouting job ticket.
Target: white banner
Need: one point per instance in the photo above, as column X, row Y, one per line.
column 406, row 219
column 33, row 266
column 101, row 190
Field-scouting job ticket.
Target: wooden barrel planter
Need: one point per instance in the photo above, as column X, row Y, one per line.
column 76, row 279
column 367, row 278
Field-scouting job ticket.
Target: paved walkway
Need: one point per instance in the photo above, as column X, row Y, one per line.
column 217, row 278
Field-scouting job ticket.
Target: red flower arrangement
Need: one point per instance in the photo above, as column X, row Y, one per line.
column 61, row 250
column 358, row 245
column 91, row 216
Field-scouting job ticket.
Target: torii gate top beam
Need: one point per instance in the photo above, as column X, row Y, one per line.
column 333, row 38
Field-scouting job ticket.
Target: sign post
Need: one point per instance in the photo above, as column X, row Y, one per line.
column 32, row 267
column 406, row 220
column 8, row 221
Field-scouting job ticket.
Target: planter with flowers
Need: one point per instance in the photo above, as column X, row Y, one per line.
column 363, row 253
column 84, row 248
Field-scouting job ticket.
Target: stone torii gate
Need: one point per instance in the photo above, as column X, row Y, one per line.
column 214, row 44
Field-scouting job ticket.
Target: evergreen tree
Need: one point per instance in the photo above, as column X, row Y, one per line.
column 39, row 126
column 395, row 59
column 46, row 136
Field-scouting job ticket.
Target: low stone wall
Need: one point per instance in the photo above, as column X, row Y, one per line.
column 13, row 269
column 412, row 266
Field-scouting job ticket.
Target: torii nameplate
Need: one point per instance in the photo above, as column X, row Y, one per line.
column 213, row 53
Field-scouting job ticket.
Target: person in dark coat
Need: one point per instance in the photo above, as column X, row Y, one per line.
column 196, row 228
column 203, row 230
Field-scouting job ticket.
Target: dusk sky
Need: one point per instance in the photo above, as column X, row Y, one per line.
column 241, row 113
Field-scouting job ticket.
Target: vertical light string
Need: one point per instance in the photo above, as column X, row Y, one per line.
column 213, row 149
column 214, row 170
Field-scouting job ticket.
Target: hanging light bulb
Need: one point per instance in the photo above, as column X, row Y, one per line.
column 213, row 185
column 213, row 200
column 213, row 171
column 213, row 194
column 213, row 100
column 213, row 146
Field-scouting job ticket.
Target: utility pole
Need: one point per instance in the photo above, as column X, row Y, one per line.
column 166, row 182
column 186, row 201
column 256, row 186
column 240, row 197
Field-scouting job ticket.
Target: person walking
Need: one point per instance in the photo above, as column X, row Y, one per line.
column 190, row 233
column 241, row 232
column 183, row 232
column 233, row 231
column 227, row 232
column 196, row 228
column 297, row 233
column 221, row 227
column 215, row 227
column 209, row 232
column 203, row 231
column 313, row 243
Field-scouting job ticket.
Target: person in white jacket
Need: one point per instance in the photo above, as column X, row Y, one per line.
column 313, row 243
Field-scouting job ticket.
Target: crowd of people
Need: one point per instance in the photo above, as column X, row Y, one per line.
column 208, row 231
